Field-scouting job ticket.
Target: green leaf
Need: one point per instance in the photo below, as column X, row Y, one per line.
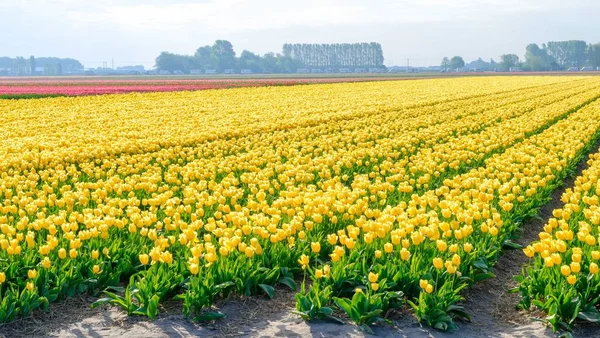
column 508, row 244
column 367, row 317
column 360, row 302
column 289, row 282
column 153, row 307
column 335, row 319
column 302, row 314
column 458, row 311
column 366, row 329
column 483, row 276
column 222, row 286
column 210, row 315
column 101, row 301
column 268, row 289
column 481, row 264
column 326, row 311
column 143, row 311
column 589, row 315
column 343, row 304
column 117, row 288
column 412, row 304
column 442, row 326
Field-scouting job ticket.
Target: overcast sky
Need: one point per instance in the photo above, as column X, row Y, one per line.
column 136, row 31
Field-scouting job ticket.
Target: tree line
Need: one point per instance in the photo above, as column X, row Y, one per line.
column 221, row 56
column 337, row 55
column 554, row 55
column 50, row 65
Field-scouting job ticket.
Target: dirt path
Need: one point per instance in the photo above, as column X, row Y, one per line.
column 491, row 306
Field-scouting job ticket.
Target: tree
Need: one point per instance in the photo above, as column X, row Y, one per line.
column 594, row 55
column 223, row 55
column 324, row 56
column 508, row 61
column 286, row 64
column 479, row 64
column 570, row 53
column 67, row 64
column 340, row 55
column 203, row 59
column 445, row 63
column 269, row 63
column 249, row 60
column 537, row 59
column 457, row 62
column 172, row 62
column 20, row 66
column 32, row 64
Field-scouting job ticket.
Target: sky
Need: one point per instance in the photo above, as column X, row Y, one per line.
column 136, row 31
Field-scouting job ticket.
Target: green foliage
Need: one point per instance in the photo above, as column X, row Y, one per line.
column 312, row 304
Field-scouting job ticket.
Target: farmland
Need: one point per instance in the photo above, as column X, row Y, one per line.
column 360, row 198
column 32, row 87
column 39, row 87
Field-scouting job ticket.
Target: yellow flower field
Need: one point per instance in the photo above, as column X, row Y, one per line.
column 563, row 277
column 380, row 193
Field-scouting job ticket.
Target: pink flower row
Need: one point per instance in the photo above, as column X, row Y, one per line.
column 100, row 89
column 82, row 86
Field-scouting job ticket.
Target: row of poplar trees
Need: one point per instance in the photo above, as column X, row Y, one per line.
column 337, row 55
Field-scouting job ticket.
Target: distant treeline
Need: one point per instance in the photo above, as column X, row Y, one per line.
column 554, row 55
column 338, row 55
column 221, row 57
column 38, row 66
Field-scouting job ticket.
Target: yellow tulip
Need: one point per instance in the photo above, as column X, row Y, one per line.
column 249, row 251
column 194, row 269
column 326, row 270
column 404, row 254
column 62, row 253
column 388, row 247
column 144, row 259
column 303, row 260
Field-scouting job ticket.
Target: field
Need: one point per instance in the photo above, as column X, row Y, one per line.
column 36, row 87
column 361, row 201
column 39, row 87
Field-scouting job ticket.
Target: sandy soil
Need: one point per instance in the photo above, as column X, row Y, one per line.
column 491, row 306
